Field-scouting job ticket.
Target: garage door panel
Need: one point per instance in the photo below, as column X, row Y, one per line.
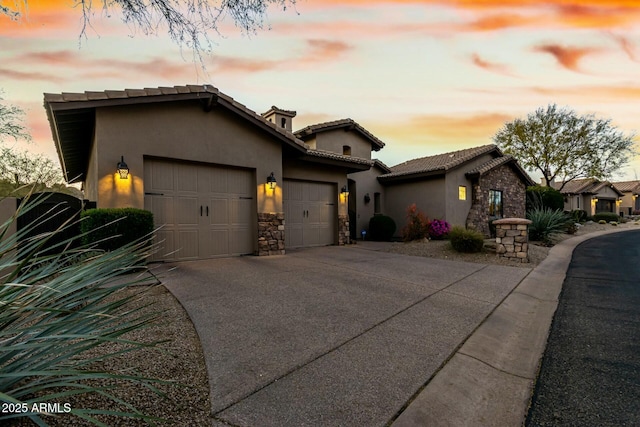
column 175, row 192
column 165, row 243
column 218, row 211
column 310, row 212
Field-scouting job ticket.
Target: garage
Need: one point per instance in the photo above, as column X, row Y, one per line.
column 310, row 213
column 204, row 211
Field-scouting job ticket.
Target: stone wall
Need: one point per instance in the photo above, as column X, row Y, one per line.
column 513, row 197
column 344, row 237
column 512, row 238
column 270, row 233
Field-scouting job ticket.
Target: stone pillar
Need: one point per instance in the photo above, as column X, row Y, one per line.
column 270, row 233
column 344, row 237
column 512, row 238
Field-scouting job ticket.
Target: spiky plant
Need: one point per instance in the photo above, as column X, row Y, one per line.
column 55, row 312
column 546, row 223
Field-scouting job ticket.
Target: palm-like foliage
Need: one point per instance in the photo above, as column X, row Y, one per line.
column 54, row 310
column 545, row 223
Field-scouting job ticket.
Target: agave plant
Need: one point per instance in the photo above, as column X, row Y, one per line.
column 56, row 310
column 545, row 223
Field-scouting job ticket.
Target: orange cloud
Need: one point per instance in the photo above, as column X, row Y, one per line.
column 29, row 75
column 490, row 66
column 602, row 93
column 326, row 49
column 568, row 57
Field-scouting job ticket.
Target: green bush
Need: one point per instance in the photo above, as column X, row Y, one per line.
column 381, row 228
column 579, row 215
column 602, row 221
column 607, row 216
column 417, row 226
column 109, row 229
column 463, row 240
column 56, row 312
column 540, row 197
column 545, row 223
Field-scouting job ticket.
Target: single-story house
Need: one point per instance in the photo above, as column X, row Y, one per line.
column 590, row 195
column 629, row 202
column 222, row 180
column 469, row 187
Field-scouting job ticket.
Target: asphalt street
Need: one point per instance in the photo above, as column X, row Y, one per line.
column 590, row 373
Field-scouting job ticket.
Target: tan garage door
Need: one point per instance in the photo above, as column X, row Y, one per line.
column 310, row 213
column 205, row 211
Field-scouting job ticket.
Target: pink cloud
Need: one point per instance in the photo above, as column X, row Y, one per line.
column 567, row 57
column 490, row 66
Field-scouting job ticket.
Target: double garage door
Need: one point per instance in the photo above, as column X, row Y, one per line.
column 310, row 212
column 204, row 211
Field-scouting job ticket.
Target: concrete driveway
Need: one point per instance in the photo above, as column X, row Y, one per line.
column 332, row 335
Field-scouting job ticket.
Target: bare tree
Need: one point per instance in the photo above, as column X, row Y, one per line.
column 23, row 167
column 564, row 146
column 188, row 22
column 11, row 122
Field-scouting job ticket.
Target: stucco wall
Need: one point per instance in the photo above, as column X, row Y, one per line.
column 629, row 203
column 367, row 183
column 178, row 130
column 334, row 140
column 91, row 182
column 427, row 194
column 513, row 190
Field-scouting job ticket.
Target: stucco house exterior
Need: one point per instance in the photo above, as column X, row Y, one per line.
column 468, row 187
column 223, row 180
column 629, row 202
column 590, row 195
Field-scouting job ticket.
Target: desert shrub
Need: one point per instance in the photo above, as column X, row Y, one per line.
column 602, row 221
column 540, row 197
column 636, row 212
column 545, row 223
column 112, row 228
column 57, row 309
column 572, row 228
column 381, row 228
column 615, row 224
column 464, row 240
column 417, row 226
column 438, row 229
column 606, row 216
column 579, row 215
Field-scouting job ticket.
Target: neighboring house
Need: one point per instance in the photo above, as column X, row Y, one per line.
column 469, row 187
column 590, row 195
column 630, row 190
column 222, row 180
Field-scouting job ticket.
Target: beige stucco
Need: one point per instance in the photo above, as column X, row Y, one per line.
column 366, row 183
column 183, row 131
column 629, row 203
column 334, row 140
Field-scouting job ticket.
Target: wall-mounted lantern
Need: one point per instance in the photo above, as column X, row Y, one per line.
column 367, row 198
column 271, row 181
column 344, row 191
column 594, row 199
column 122, row 168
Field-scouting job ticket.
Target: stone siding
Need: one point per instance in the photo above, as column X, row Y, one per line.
column 344, row 237
column 270, row 233
column 513, row 197
column 512, row 238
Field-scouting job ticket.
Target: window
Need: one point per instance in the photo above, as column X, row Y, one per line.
column 462, row 192
column 376, row 203
column 346, row 150
column 578, row 201
column 495, row 203
column 283, row 122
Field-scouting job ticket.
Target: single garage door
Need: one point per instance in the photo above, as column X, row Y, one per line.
column 310, row 213
column 205, row 211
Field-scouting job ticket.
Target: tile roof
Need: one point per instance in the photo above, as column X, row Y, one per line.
column 309, row 131
column 499, row 161
column 336, row 156
column 439, row 162
column 381, row 165
column 628, row 186
column 275, row 109
column 585, row 186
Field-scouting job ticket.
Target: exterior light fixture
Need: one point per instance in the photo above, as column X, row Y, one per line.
column 271, row 181
column 122, row 168
column 344, row 191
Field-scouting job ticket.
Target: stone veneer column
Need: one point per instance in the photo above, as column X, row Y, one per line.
column 512, row 238
column 344, row 237
column 270, row 233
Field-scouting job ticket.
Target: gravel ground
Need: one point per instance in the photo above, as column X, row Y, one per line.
column 538, row 251
column 179, row 360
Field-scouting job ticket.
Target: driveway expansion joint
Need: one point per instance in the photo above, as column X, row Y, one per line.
column 494, row 367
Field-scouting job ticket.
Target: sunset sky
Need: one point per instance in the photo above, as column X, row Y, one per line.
column 424, row 76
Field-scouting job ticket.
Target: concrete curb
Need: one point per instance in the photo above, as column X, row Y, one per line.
column 489, row 380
